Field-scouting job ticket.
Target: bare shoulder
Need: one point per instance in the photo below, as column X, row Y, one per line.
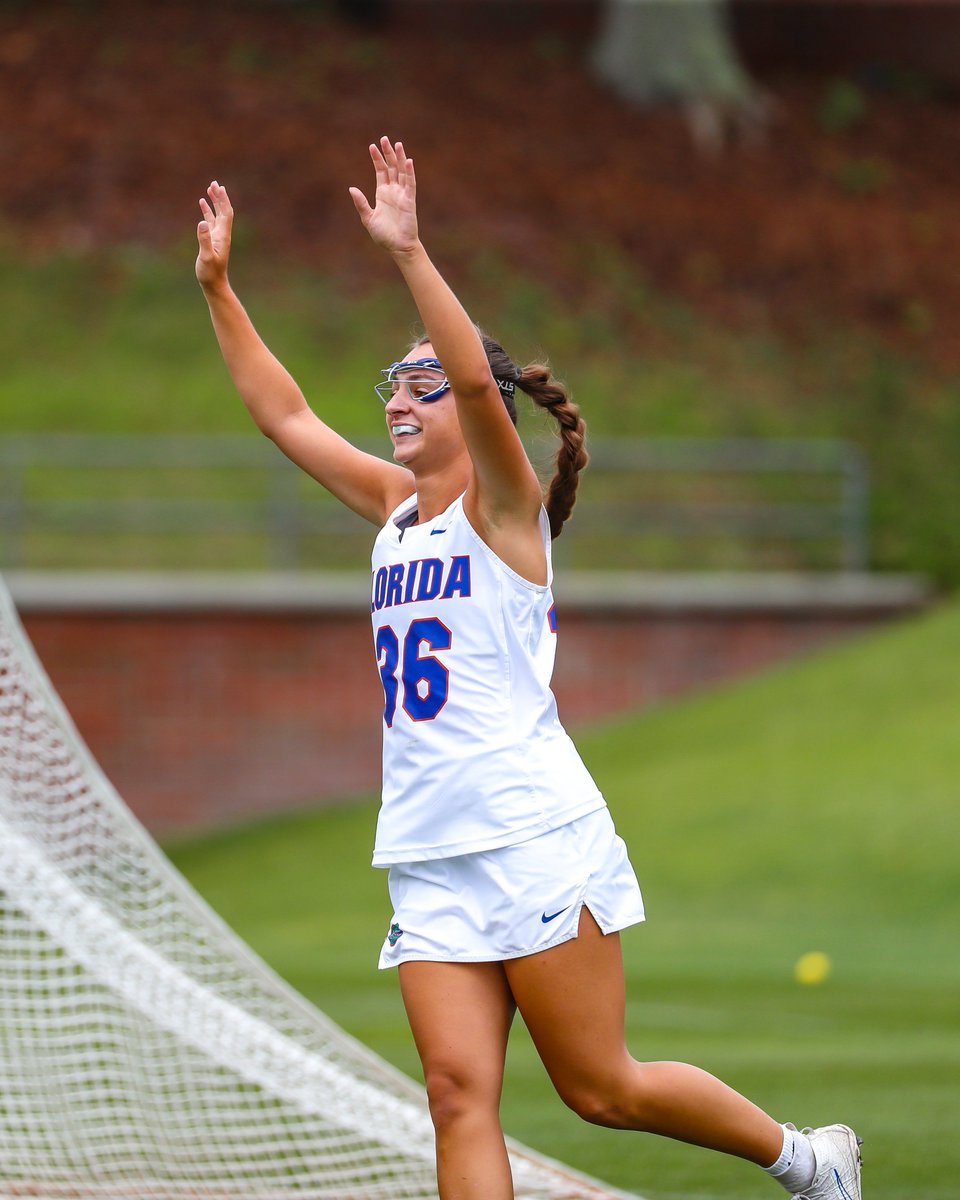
column 515, row 536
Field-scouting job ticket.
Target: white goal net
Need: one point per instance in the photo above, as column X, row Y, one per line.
column 145, row 1051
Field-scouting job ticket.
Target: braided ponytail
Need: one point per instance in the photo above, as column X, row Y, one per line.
column 546, row 392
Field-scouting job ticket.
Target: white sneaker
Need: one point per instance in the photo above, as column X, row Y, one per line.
column 837, row 1151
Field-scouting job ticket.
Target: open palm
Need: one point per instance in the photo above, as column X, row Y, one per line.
column 213, row 235
column 392, row 221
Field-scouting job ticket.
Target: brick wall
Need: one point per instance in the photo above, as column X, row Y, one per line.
column 201, row 716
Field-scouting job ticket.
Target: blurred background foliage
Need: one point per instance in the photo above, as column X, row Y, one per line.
column 773, row 260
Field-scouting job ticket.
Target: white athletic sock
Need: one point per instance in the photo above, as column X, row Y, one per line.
column 795, row 1168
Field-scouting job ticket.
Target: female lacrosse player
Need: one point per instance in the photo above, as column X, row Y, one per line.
column 508, row 882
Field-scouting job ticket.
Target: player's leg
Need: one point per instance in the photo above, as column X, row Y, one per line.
column 460, row 1015
column 571, row 998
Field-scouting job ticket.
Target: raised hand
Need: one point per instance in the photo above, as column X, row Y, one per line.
column 213, row 234
column 392, row 221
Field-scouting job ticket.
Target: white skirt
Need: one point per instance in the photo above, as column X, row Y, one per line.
column 515, row 900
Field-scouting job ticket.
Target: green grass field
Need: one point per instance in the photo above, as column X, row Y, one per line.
column 812, row 808
column 126, row 347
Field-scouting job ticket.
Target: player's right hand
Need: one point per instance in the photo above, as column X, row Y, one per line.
column 213, row 234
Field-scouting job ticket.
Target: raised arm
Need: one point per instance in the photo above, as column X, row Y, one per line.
column 505, row 493
column 362, row 481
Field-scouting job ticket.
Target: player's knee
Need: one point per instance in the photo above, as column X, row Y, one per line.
column 597, row 1108
column 454, row 1098
column 609, row 1102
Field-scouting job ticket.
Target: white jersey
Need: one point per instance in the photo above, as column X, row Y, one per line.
column 474, row 756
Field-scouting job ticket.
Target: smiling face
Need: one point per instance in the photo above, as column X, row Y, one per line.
column 425, row 433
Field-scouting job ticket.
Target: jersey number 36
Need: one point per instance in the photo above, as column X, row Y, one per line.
column 424, row 679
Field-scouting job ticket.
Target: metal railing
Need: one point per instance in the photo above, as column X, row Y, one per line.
column 233, row 501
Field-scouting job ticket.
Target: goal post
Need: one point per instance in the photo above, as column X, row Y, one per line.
column 145, row 1050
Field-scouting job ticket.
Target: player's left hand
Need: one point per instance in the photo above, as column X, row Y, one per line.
column 213, row 235
column 392, row 222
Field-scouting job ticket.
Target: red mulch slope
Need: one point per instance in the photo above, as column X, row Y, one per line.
column 113, row 116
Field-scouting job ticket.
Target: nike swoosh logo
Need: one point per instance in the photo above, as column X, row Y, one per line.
column 839, row 1181
column 553, row 916
column 434, row 532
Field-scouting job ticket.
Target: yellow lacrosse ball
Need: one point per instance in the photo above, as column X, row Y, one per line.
column 812, row 968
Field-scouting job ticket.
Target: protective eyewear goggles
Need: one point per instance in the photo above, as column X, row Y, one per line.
column 425, row 381
column 422, row 377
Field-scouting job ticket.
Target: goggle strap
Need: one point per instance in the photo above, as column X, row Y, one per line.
column 508, row 387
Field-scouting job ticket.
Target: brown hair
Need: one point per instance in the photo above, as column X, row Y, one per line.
column 538, row 382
